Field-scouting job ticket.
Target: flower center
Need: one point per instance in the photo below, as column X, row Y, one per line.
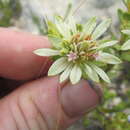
column 82, row 49
column 72, row 56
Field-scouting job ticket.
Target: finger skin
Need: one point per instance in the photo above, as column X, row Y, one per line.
column 37, row 106
column 17, row 60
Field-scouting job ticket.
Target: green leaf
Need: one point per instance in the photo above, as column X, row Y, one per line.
column 108, row 58
column 124, row 19
column 126, row 56
column 102, row 27
column 120, row 15
column 65, row 75
column 101, row 73
column 46, row 52
column 52, row 29
column 127, row 32
column 75, row 74
column 107, row 44
column 89, row 27
column 56, row 42
column 58, row 66
column 91, row 73
column 126, row 46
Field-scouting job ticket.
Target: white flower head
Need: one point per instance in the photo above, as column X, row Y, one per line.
column 77, row 48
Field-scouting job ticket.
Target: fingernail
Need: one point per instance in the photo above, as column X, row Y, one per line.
column 80, row 98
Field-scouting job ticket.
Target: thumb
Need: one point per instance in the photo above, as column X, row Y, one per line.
column 38, row 105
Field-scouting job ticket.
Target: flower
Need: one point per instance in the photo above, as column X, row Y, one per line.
column 78, row 50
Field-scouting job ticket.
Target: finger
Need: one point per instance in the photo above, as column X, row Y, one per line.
column 17, row 60
column 38, row 105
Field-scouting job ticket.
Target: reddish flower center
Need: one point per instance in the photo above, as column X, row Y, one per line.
column 72, row 56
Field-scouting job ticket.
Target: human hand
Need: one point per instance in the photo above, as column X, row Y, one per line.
column 37, row 104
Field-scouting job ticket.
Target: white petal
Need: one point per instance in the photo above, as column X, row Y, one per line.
column 89, row 26
column 65, row 75
column 72, row 24
column 108, row 58
column 75, row 74
column 58, row 66
column 107, row 44
column 101, row 73
column 63, row 28
column 101, row 29
column 126, row 46
column 46, row 52
column 91, row 73
column 127, row 32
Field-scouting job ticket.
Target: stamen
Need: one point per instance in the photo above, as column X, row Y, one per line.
column 96, row 56
column 88, row 37
column 72, row 56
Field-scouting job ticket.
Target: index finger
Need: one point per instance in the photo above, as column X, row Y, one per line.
column 17, row 60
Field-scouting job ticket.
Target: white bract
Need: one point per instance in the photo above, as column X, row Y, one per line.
column 126, row 45
column 77, row 50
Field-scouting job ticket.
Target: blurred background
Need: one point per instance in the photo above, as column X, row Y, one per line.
column 22, row 13
column 29, row 15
